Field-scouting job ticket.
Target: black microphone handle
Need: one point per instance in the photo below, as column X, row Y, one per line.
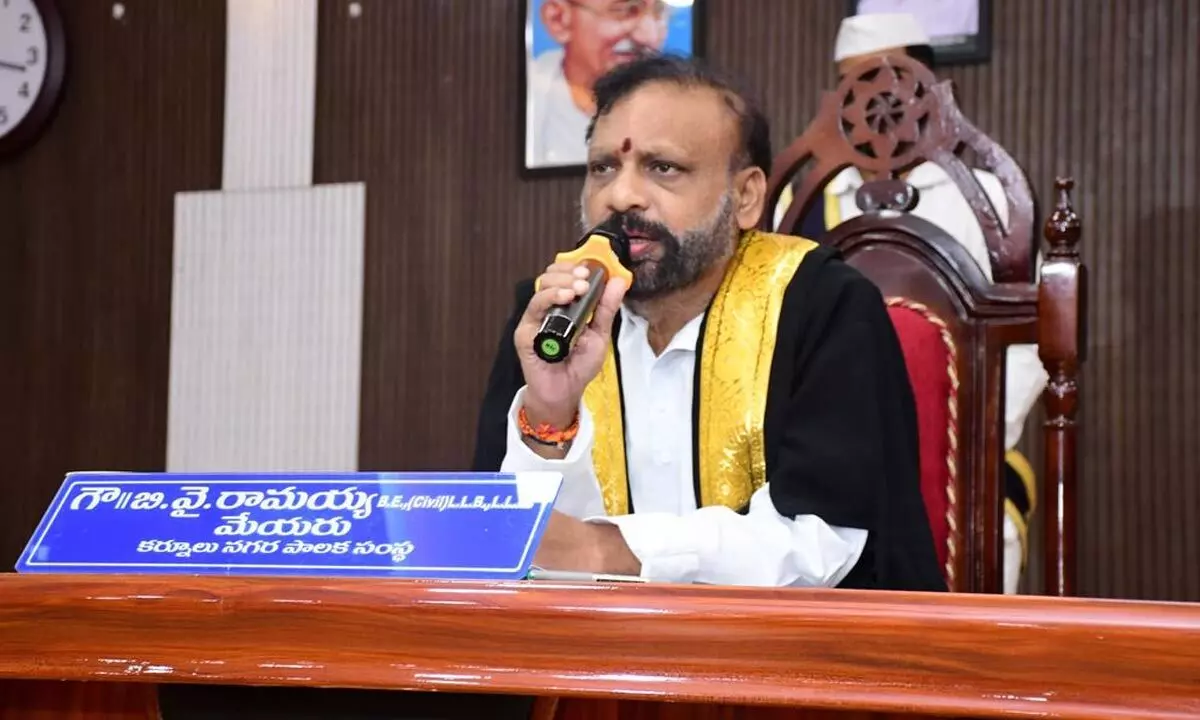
column 564, row 323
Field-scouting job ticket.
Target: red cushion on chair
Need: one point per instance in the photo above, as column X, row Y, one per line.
column 929, row 356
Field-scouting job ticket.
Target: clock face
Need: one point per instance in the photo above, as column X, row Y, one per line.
column 24, row 49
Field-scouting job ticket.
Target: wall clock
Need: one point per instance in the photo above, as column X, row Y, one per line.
column 33, row 57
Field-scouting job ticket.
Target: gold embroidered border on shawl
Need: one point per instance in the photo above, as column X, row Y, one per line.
column 735, row 362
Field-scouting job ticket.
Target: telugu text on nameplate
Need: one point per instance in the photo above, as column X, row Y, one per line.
column 419, row 525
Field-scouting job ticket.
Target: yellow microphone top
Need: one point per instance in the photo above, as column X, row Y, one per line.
column 598, row 247
column 607, row 252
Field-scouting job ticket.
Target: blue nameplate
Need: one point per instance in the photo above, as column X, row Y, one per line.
column 416, row 525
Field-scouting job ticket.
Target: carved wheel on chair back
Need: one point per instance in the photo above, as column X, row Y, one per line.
column 887, row 115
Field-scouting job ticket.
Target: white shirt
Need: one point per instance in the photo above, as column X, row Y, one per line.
column 675, row 541
column 942, row 203
column 555, row 127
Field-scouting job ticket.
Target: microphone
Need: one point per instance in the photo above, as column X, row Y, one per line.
column 604, row 251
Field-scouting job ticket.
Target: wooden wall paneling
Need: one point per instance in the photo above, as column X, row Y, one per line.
column 85, row 248
column 432, row 124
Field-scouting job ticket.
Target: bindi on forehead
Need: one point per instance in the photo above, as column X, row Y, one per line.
column 627, row 145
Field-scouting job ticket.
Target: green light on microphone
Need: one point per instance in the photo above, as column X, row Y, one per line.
column 551, row 348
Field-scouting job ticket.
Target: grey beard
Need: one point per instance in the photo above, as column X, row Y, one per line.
column 684, row 259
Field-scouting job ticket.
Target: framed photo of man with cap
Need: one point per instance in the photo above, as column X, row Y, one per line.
column 959, row 31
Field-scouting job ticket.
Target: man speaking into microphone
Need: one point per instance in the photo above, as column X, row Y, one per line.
column 737, row 411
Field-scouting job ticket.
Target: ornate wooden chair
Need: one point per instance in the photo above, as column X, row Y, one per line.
column 886, row 116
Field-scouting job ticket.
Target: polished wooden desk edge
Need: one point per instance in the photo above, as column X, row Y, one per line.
column 884, row 651
column 205, row 588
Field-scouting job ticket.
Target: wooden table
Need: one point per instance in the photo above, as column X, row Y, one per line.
column 595, row 651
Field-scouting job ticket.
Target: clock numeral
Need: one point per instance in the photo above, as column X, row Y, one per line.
column 3, row 115
column 23, row 91
column 26, row 22
column 33, row 56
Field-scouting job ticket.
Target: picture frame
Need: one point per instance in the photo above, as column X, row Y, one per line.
column 960, row 31
column 601, row 34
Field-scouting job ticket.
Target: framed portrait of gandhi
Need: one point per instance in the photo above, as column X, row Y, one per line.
column 571, row 43
column 960, row 31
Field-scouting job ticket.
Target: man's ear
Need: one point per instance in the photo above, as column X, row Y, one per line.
column 556, row 16
column 750, row 196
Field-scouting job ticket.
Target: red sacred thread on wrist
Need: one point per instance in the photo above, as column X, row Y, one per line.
column 544, row 433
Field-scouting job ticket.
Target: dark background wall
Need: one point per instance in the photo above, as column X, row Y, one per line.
column 421, row 99
column 86, row 220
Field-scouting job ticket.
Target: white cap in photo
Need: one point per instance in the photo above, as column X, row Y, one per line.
column 864, row 34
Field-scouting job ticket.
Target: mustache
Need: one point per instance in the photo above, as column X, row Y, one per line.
column 629, row 45
column 636, row 224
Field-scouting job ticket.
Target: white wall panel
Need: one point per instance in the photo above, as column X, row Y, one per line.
column 270, row 91
column 266, row 330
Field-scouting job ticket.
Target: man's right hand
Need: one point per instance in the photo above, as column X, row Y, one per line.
column 553, row 391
